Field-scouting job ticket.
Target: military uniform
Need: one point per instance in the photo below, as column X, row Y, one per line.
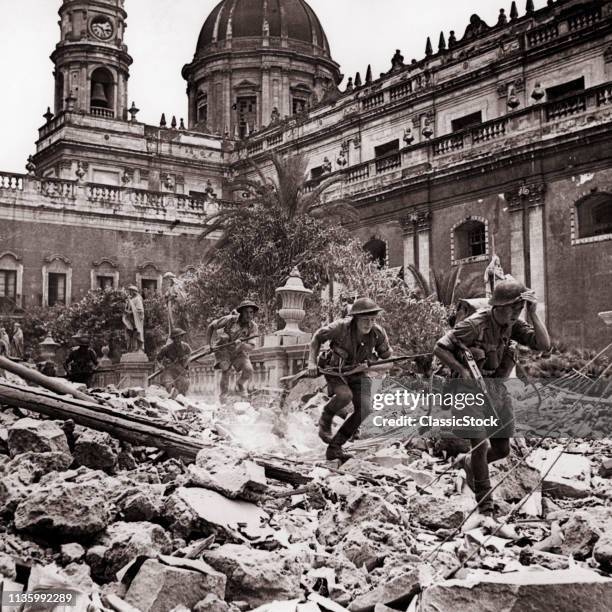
column 81, row 364
column 490, row 345
column 174, row 358
column 229, row 329
column 346, row 350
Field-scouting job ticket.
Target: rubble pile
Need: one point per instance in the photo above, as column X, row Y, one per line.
column 127, row 528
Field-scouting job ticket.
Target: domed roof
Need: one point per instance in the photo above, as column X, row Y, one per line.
column 258, row 19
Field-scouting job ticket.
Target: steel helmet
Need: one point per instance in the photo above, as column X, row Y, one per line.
column 177, row 332
column 364, row 306
column 507, row 292
column 247, row 304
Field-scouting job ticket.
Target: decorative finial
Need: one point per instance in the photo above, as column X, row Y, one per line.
column 358, row 82
column 428, row 48
column 182, row 124
column 162, row 121
column 30, row 166
column 513, row 99
column 133, row 110
column 538, row 92
column 408, row 136
column 442, row 42
column 503, row 18
column 513, row 11
column 368, row 78
column 530, row 8
column 173, row 123
column 48, row 115
column 452, row 40
column 349, row 85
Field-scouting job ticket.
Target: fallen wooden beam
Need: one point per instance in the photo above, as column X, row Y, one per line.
column 134, row 429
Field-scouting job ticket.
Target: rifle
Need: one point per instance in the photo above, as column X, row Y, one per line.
column 351, row 370
column 202, row 352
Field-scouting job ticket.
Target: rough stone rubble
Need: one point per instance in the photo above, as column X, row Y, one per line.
column 129, row 529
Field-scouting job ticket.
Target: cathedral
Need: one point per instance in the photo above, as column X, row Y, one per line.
column 495, row 143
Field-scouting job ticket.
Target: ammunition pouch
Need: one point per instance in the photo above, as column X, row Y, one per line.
column 332, row 358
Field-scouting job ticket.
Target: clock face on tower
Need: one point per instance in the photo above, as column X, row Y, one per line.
column 101, row 27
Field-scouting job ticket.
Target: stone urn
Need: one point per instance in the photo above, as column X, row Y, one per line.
column 293, row 294
column 48, row 349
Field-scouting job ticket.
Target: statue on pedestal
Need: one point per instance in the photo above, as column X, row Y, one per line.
column 17, row 342
column 133, row 319
column 493, row 275
column 174, row 296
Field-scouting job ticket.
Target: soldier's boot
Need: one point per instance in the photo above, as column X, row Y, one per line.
column 325, row 427
column 484, row 496
column 335, row 451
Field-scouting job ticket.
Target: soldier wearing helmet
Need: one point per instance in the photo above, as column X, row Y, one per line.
column 352, row 341
column 487, row 334
column 235, row 327
column 174, row 360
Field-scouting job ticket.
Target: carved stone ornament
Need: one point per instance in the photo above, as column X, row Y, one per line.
column 532, row 194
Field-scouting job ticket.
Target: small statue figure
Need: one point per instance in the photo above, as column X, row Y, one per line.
column 174, row 296
column 17, row 342
column 133, row 319
column 342, row 161
column 408, row 136
column 493, row 275
column 397, row 61
column 327, row 165
column 503, row 18
column 275, row 115
column 5, row 342
column 30, row 166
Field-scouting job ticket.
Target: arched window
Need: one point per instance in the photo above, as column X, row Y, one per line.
column 101, row 97
column 148, row 279
column 469, row 239
column 104, row 275
column 57, row 280
column 378, row 250
column 594, row 215
column 11, row 280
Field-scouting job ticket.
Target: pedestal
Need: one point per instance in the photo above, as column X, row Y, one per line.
column 134, row 370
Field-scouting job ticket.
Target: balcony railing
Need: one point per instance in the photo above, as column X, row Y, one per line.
column 584, row 19
column 388, row 162
column 543, row 35
column 566, row 107
column 107, row 113
column 272, row 141
column 489, row 131
column 358, row 173
column 13, row 182
column 454, row 142
column 373, row 101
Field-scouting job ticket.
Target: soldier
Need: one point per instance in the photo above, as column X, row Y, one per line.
column 236, row 328
column 174, row 359
column 82, row 361
column 488, row 334
column 353, row 341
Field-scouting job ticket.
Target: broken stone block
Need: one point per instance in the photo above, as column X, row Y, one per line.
column 436, row 512
column 605, row 469
column 211, row 603
column 196, row 510
column 64, row 509
column 364, row 506
column 536, row 591
column 71, row 553
column 164, row 583
column 96, row 450
column 602, row 552
column 122, row 542
column 8, row 568
column 36, row 436
column 36, row 465
column 256, row 576
column 570, row 476
column 396, row 592
column 530, row 556
column 582, row 531
column 246, row 480
column 141, row 504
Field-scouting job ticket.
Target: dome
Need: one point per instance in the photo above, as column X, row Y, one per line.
column 247, row 22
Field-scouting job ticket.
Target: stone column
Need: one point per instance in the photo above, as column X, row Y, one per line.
column 527, row 255
column 266, row 96
column 416, row 228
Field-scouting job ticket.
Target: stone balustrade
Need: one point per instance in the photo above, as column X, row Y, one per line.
column 32, row 192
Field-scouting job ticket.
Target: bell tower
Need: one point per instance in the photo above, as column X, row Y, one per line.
column 92, row 64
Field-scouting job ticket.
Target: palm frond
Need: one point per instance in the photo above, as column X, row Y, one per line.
column 420, row 280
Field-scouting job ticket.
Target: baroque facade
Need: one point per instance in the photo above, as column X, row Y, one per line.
column 496, row 143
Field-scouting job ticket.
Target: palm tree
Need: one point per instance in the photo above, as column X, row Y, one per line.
column 285, row 195
column 447, row 287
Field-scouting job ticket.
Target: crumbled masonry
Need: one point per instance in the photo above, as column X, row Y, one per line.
column 257, row 517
